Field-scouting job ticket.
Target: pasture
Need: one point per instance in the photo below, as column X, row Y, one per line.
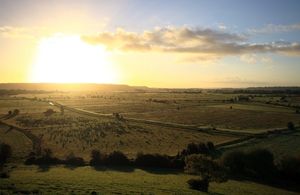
column 176, row 117
column 86, row 180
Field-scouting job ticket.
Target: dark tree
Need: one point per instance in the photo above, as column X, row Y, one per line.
column 96, row 158
column 291, row 126
column 208, row 169
column 5, row 153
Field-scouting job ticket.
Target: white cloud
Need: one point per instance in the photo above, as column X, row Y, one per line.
column 273, row 28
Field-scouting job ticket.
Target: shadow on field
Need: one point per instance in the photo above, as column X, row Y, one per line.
column 276, row 183
column 43, row 168
column 215, row 193
column 127, row 169
column 161, row 171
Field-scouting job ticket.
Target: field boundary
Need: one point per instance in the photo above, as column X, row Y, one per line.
column 36, row 142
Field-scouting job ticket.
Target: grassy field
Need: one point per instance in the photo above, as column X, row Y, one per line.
column 25, row 106
column 197, row 109
column 223, row 116
column 280, row 145
column 85, row 180
column 20, row 144
column 80, row 134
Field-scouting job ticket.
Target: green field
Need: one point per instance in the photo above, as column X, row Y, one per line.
column 85, row 180
column 280, row 145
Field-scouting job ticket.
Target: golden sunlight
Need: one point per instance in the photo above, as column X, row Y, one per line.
column 68, row 59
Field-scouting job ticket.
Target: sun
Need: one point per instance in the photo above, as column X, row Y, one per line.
column 68, row 59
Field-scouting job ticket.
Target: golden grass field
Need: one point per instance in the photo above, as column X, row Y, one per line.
column 80, row 133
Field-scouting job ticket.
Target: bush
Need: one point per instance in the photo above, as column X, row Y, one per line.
column 4, row 175
column 289, row 168
column 258, row 163
column 208, row 169
column 45, row 159
column 74, row 161
column 49, row 112
column 96, row 158
column 291, row 126
column 153, row 160
column 5, row 153
column 199, row 184
column 117, row 158
column 235, row 161
column 30, row 159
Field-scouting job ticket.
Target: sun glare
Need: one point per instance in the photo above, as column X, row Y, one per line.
column 68, row 59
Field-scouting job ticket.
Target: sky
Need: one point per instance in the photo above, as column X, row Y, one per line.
column 184, row 44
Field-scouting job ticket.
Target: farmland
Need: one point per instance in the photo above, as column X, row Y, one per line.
column 151, row 122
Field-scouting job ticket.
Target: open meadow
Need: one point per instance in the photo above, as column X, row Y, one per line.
column 133, row 123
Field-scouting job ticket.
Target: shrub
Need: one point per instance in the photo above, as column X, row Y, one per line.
column 153, row 160
column 30, row 159
column 96, row 158
column 16, row 112
column 117, row 158
column 45, row 159
column 289, row 168
column 258, row 163
column 4, row 175
column 73, row 160
column 49, row 112
column 291, row 126
column 235, row 161
column 5, row 153
column 208, row 169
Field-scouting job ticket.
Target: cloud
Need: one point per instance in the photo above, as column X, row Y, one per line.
column 273, row 28
column 22, row 32
column 240, row 81
column 204, row 43
column 249, row 58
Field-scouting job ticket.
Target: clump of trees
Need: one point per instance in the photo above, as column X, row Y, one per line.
column 47, row 158
column 257, row 164
column 153, row 160
column 5, row 154
column 11, row 114
column 208, row 169
column 289, row 168
column 200, row 148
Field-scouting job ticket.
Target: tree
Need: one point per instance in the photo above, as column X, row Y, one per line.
column 208, row 169
column 96, row 158
column 49, row 112
column 5, row 153
column 235, row 161
column 291, row 126
column 16, row 112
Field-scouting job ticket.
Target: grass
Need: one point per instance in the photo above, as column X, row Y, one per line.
column 84, row 180
column 256, row 107
column 280, row 145
column 81, row 134
column 25, row 106
column 223, row 116
column 20, row 144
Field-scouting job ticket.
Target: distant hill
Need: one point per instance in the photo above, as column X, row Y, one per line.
column 70, row 87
